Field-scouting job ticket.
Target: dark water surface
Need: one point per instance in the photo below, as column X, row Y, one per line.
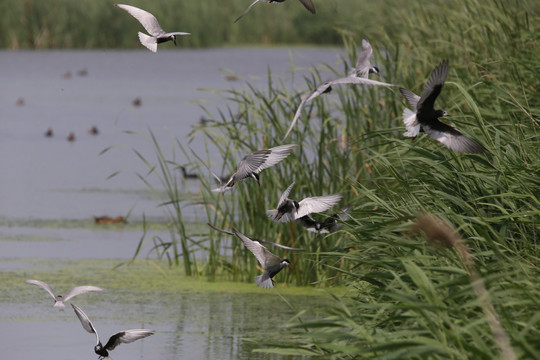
column 50, row 188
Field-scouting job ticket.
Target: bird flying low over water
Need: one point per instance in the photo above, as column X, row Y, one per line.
column 271, row 263
column 59, row 300
column 255, row 162
column 307, row 4
column 424, row 117
column 290, row 210
column 261, row 241
column 150, row 23
column 124, row 336
column 357, row 75
column 329, row 225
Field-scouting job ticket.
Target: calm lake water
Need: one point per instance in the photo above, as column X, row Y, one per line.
column 50, row 188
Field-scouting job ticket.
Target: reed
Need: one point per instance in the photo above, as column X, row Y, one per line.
column 410, row 300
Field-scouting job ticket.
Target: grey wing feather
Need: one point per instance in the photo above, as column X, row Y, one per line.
column 411, row 97
column 246, row 11
column 147, row 20
column 177, row 33
column 261, row 241
column 80, row 290
column 285, row 195
column 362, row 63
column 437, row 78
column 42, row 285
column 317, row 204
column 287, row 217
column 127, row 336
column 261, row 253
column 85, row 321
column 455, row 140
column 277, row 154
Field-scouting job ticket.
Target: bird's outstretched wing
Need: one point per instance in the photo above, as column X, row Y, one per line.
column 285, row 195
column 362, row 63
column 42, row 285
column 261, row 241
column 80, row 290
column 317, row 204
column 323, row 87
column 261, row 253
column 85, row 321
column 127, row 336
column 452, row 138
column 433, row 86
column 246, row 11
column 147, row 20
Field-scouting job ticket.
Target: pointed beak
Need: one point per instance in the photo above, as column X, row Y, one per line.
column 174, row 40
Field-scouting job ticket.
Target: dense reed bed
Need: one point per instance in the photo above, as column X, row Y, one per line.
column 476, row 297
column 44, row 24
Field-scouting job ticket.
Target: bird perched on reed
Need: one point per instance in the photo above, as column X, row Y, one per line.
column 424, row 117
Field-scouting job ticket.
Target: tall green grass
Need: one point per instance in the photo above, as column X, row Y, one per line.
column 45, row 24
column 409, row 299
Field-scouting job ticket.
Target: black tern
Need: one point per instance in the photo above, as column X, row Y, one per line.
column 124, row 336
column 424, row 117
column 59, row 300
column 261, row 241
column 290, row 210
column 150, row 23
column 254, row 163
column 307, row 4
column 271, row 263
column 357, row 75
column 329, row 225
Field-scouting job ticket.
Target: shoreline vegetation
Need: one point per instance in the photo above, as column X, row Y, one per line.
column 410, row 299
column 479, row 297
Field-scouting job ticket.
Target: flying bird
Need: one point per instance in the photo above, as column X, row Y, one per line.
column 252, row 164
column 329, row 225
column 290, row 210
column 150, row 23
column 59, row 300
column 258, row 240
column 271, row 263
column 124, row 336
column 424, row 117
column 357, row 75
column 307, row 4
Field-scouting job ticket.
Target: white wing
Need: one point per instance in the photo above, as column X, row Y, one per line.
column 246, row 11
column 85, row 321
column 317, row 204
column 126, row 337
column 42, row 285
column 277, row 154
column 147, row 20
column 80, row 290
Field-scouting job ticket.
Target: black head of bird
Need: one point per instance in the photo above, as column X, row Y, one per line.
column 373, row 70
